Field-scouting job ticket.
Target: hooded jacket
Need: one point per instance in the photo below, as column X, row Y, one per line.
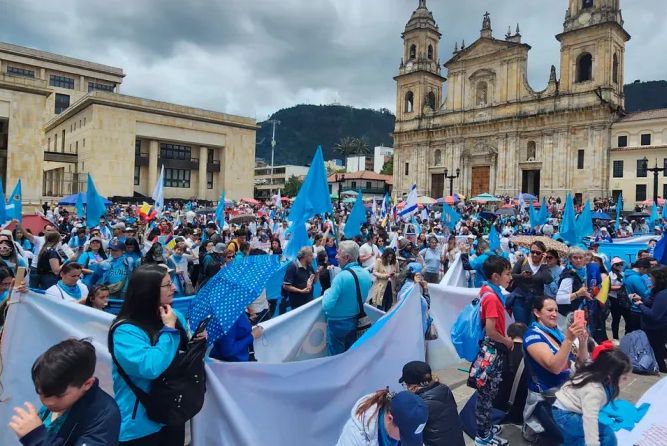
column 443, row 425
column 361, row 431
column 634, row 284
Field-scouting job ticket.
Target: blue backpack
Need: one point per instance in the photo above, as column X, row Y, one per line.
column 467, row 331
column 638, row 349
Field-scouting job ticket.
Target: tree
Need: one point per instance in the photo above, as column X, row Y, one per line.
column 292, row 186
column 346, row 146
column 388, row 167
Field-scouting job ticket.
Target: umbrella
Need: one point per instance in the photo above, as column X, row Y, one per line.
column 242, row 218
column 507, row 206
column 426, row 200
column 349, row 200
column 638, row 215
column 506, row 211
column 350, row 192
column 526, row 196
column 230, row 291
column 485, row 198
column 527, row 240
column 35, row 223
column 599, row 215
column 661, row 201
column 487, row 215
column 250, row 200
column 71, row 200
column 449, row 199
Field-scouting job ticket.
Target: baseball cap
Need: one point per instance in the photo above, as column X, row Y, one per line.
column 616, row 260
column 410, row 415
column 415, row 267
column 115, row 245
column 415, row 372
column 119, row 225
column 219, row 248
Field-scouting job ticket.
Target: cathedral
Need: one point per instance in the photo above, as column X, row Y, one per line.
column 492, row 132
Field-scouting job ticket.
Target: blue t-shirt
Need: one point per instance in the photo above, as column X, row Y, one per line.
column 431, row 260
column 545, row 379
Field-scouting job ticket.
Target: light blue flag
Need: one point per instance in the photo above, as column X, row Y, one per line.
column 80, row 212
column 494, row 238
column 543, row 215
column 568, row 231
column 356, row 218
column 298, row 239
column 584, row 224
column 534, row 220
column 449, row 216
column 383, row 210
column 313, row 197
column 418, row 228
column 3, row 211
column 158, row 193
column 220, row 211
column 663, row 215
column 653, row 217
column 95, row 207
column 619, row 209
column 16, row 203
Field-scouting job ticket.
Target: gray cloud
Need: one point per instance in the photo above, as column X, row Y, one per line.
column 252, row 57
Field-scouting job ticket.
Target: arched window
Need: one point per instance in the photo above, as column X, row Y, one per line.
column 430, row 52
column 437, row 158
column 584, row 67
column 481, row 96
column 413, row 51
column 430, row 100
column 586, row 4
column 614, row 73
column 409, row 102
column 530, row 152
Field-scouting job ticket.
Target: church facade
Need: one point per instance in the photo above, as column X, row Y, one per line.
column 491, row 128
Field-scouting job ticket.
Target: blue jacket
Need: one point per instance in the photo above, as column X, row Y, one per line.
column 233, row 346
column 634, row 283
column 655, row 316
column 94, row 420
column 143, row 362
column 340, row 300
column 477, row 264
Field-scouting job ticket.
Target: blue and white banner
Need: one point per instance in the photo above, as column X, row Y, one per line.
column 411, row 205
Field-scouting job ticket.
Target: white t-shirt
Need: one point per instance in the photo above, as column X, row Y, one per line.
column 58, row 293
column 37, row 242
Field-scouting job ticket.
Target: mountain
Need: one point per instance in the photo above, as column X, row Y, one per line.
column 303, row 127
column 642, row 96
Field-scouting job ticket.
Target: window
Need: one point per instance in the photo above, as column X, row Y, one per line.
column 482, row 93
column 641, row 168
column 16, row 71
column 354, row 185
column 62, row 142
column 76, row 147
column 209, row 180
column 407, row 169
column 55, row 142
column 584, row 67
column 531, row 151
column 622, row 141
column 62, row 102
column 209, row 156
column 137, row 147
column 430, row 52
column 61, row 81
column 664, row 190
column 92, row 86
column 618, row 169
column 580, row 159
column 368, row 185
column 646, row 139
column 431, row 100
column 177, row 178
column 640, row 192
column 48, row 145
column 84, row 142
column 84, row 121
column 586, row 4
column 664, row 172
column 413, row 51
column 615, row 194
column 409, row 102
column 437, row 157
column 175, row 152
column 137, row 175
column 614, row 72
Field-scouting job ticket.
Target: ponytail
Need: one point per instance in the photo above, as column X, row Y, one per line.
column 381, row 399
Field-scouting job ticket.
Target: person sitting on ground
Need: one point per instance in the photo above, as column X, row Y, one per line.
column 75, row 411
column 578, row 402
column 384, row 419
column 98, row 297
column 69, row 287
column 443, row 425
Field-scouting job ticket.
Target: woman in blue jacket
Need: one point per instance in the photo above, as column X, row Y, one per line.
column 654, row 316
column 145, row 353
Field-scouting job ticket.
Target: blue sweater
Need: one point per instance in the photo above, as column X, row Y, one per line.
column 655, row 316
column 340, row 300
column 233, row 346
column 634, row 283
column 143, row 363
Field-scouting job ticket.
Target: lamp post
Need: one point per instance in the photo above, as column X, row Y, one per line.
column 339, row 178
column 655, row 171
column 451, row 179
column 275, row 122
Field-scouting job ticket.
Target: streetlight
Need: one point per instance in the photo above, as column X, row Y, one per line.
column 339, row 178
column 451, row 179
column 655, row 171
column 275, row 122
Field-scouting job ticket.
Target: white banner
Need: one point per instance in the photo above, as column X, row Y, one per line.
column 305, row 402
column 652, row 429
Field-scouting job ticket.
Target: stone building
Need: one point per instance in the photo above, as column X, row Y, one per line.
column 61, row 118
column 505, row 136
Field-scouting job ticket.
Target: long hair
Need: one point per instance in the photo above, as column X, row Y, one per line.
column 51, row 240
column 606, row 370
column 381, row 399
column 142, row 301
column 659, row 275
column 13, row 255
column 100, row 251
column 388, row 252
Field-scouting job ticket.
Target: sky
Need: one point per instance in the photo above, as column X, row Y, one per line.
column 254, row 57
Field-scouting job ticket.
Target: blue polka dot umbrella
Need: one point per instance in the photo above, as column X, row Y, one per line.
column 230, row 291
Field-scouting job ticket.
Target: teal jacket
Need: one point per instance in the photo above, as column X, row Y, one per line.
column 634, row 283
column 143, row 363
column 340, row 300
column 477, row 264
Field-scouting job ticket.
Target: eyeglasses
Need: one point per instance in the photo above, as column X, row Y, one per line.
column 549, row 257
column 167, row 285
column 536, row 253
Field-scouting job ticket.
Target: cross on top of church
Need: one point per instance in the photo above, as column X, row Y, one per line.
column 486, row 23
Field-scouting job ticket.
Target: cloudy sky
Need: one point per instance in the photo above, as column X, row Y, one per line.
column 253, row 57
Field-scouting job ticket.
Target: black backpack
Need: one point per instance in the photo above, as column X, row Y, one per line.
column 177, row 395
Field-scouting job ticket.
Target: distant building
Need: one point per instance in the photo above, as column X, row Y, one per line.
column 635, row 137
column 371, row 184
column 267, row 184
column 62, row 118
column 369, row 163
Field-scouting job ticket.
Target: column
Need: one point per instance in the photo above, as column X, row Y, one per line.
column 82, row 83
column 153, row 173
column 203, row 156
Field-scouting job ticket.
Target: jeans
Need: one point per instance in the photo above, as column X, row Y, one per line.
column 572, row 426
column 341, row 334
column 522, row 310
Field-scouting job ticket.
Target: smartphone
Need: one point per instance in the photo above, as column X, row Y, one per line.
column 202, row 325
column 580, row 317
column 18, row 279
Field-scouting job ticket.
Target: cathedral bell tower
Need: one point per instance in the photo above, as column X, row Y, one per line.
column 593, row 50
column 419, row 82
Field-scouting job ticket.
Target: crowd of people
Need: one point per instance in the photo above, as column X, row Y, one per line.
column 558, row 344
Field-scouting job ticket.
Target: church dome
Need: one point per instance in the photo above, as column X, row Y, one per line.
column 421, row 18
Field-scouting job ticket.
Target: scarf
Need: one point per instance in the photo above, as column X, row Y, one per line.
column 553, row 332
column 72, row 290
column 496, row 289
column 581, row 272
column 383, row 437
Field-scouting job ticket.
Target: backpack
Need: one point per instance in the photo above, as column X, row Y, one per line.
column 638, row 349
column 467, row 331
column 177, row 395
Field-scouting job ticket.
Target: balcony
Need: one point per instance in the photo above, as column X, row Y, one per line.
column 60, row 157
column 141, row 159
column 191, row 164
column 213, row 166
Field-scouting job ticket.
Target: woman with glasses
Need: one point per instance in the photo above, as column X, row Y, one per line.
column 552, row 260
column 10, row 256
column 69, row 287
column 93, row 256
column 529, row 278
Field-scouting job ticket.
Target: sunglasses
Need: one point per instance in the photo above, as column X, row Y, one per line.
column 549, row 257
column 536, row 253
